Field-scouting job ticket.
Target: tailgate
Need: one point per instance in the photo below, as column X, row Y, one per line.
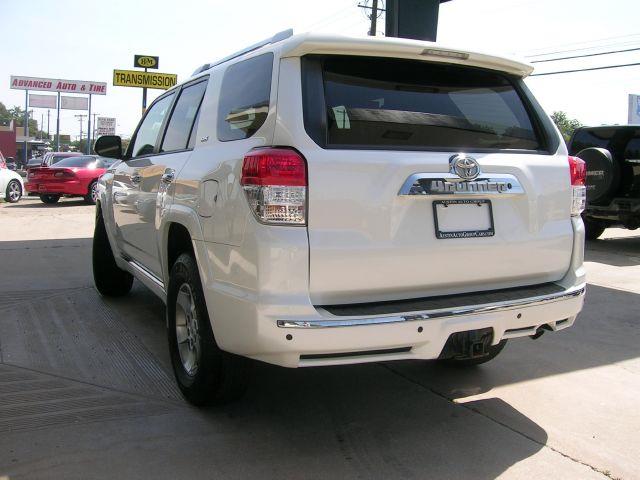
column 428, row 179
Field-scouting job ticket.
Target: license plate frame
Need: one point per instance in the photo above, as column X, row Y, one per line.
column 443, row 235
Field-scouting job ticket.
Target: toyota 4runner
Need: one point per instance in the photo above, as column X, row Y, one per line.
column 321, row 200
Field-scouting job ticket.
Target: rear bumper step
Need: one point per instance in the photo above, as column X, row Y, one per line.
column 439, row 307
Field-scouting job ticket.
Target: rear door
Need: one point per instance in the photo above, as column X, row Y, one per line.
column 147, row 180
column 428, row 179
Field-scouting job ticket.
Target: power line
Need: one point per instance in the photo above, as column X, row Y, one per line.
column 586, row 55
column 581, row 43
column 586, row 69
column 611, row 45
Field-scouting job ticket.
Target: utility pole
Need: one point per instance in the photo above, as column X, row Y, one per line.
column 93, row 133
column 48, row 137
column 373, row 16
column 80, row 119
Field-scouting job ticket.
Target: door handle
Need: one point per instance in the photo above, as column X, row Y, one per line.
column 168, row 176
column 136, row 178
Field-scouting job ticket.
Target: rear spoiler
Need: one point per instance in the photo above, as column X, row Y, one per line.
column 310, row 43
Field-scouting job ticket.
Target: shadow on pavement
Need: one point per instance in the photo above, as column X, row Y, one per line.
column 37, row 203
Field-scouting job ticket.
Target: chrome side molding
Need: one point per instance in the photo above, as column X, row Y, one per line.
column 434, row 314
column 495, row 184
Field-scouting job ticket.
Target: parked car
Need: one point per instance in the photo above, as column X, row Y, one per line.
column 11, row 185
column 74, row 176
column 323, row 200
column 612, row 155
column 51, row 158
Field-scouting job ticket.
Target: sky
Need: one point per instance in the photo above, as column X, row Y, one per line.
column 87, row 39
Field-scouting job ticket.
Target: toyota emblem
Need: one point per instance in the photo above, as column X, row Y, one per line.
column 464, row 166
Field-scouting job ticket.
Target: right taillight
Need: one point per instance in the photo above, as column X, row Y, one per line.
column 275, row 184
column 578, row 173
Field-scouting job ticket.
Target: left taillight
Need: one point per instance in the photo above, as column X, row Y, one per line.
column 275, row 183
column 578, row 174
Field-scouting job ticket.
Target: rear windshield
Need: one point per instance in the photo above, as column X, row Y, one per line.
column 57, row 158
column 82, row 162
column 380, row 102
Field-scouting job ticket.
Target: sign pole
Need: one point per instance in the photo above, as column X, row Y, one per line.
column 26, row 125
column 58, row 126
column 89, row 128
column 144, row 97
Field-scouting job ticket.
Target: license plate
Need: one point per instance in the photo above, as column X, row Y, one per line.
column 463, row 218
column 42, row 187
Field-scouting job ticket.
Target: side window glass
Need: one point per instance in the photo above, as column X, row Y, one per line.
column 194, row 131
column 150, row 128
column 183, row 118
column 244, row 98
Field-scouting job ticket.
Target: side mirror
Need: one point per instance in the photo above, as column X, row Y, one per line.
column 109, row 146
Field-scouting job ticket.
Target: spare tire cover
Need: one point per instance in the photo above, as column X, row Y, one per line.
column 602, row 173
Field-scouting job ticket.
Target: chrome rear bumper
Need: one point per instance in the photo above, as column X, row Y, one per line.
column 570, row 293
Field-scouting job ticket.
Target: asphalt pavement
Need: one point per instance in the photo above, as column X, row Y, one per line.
column 86, row 389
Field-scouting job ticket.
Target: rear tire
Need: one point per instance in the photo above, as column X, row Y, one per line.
column 109, row 279
column 593, row 228
column 49, row 199
column 494, row 350
column 205, row 374
column 14, row 191
column 92, row 196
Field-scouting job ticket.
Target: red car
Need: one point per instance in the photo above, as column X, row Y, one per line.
column 71, row 177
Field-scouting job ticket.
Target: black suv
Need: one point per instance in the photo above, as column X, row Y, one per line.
column 612, row 155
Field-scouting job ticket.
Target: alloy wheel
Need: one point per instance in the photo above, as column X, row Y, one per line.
column 14, row 192
column 187, row 330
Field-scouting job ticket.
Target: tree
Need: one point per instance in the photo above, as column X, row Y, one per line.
column 565, row 124
column 17, row 115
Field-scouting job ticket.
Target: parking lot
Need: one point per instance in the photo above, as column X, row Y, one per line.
column 86, row 389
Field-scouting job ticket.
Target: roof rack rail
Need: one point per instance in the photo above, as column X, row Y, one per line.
column 278, row 37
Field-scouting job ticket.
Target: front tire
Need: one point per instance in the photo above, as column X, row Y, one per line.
column 49, row 199
column 14, row 191
column 205, row 374
column 108, row 278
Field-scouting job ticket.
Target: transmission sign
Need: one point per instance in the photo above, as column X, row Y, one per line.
column 133, row 78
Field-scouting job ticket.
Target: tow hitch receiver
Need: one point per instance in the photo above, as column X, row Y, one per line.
column 469, row 344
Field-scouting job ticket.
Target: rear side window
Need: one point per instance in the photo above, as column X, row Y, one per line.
column 183, row 118
column 244, row 98
column 149, row 129
column 375, row 102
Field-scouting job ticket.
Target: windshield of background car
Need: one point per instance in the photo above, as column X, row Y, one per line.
column 78, row 162
column 380, row 102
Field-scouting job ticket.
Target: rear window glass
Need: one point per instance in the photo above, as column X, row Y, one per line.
column 57, row 158
column 403, row 103
column 244, row 98
column 76, row 162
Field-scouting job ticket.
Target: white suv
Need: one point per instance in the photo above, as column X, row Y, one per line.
column 323, row 200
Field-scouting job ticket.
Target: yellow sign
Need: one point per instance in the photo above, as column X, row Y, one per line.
column 132, row 78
